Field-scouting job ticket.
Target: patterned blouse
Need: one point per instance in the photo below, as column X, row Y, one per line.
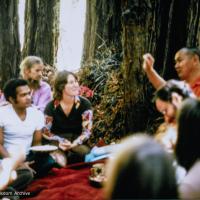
column 76, row 126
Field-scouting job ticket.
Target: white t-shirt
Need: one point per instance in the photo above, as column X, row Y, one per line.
column 18, row 132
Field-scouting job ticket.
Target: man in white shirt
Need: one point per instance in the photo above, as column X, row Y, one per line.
column 21, row 124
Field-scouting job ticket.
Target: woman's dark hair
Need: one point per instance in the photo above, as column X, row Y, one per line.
column 166, row 91
column 141, row 169
column 10, row 88
column 61, row 79
column 188, row 142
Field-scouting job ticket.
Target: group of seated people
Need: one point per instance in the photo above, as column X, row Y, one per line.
column 140, row 167
column 30, row 115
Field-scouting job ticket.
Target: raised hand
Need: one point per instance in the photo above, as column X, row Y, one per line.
column 148, row 62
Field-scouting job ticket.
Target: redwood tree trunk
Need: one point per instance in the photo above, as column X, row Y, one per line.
column 193, row 26
column 139, row 36
column 9, row 40
column 102, row 27
column 42, row 29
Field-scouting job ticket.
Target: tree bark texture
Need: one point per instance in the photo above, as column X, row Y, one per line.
column 193, row 27
column 102, row 27
column 9, row 40
column 42, row 29
column 138, row 37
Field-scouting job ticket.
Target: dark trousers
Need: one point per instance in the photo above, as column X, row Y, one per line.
column 77, row 154
column 24, row 177
column 43, row 163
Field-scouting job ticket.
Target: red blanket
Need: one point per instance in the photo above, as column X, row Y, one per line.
column 69, row 183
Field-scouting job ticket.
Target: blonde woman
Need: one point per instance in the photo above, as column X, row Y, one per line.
column 31, row 70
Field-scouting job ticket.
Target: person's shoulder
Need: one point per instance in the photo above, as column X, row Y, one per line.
column 50, row 104
column 84, row 104
column 84, row 100
column 50, row 107
column 191, row 175
column 189, row 187
column 5, row 107
column 44, row 84
column 34, row 111
column 36, row 116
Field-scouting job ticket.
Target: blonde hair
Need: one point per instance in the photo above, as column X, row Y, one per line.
column 28, row 62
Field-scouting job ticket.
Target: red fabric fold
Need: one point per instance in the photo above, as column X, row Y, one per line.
column 69, row 183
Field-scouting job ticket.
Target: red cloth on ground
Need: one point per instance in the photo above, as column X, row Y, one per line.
column 69, row 183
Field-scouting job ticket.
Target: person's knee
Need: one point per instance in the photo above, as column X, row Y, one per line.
column 81, row 149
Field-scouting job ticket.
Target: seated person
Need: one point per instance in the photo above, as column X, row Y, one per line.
column 188, row 148
column 31, row 70
column 21, row 125
column 187, row 65
column 168, row 99
column 69, row 117
column 141, row 169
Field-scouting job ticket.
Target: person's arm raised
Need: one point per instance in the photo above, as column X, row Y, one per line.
column 156, row 80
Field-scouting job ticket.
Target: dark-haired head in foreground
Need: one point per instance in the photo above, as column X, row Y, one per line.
column 188, row 142
column 141, row 169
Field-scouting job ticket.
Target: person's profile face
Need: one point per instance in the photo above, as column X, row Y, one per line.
column 183, row 64
column 23, row 96
column 167, row 109
column 35, row 72
column 72, row 86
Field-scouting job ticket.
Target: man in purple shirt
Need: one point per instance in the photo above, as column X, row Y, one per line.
column 31, row 70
